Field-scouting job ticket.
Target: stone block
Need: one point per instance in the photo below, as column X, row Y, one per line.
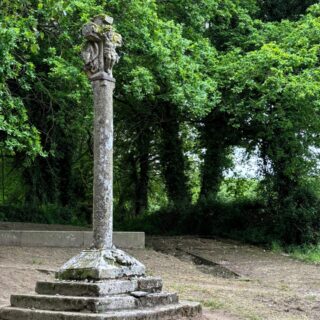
column 168, row 312
column 150, row 284
column 67, row 239
column 75, row 304
column 100, row 288
column 129, row 240
column 10, row 238
column 93, row 304
column 89, row 289
column 87, row 239
column 156, row 299
column 60, row 239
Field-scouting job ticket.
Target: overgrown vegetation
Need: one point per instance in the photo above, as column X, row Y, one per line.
column 196, row 80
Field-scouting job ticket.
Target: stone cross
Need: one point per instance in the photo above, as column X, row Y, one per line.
column 102, row 260
column 100, row 56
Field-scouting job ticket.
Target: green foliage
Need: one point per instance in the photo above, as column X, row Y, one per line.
column 248, row 220
column 239, row 219
column 309, row 253
column 225, row 22
column 298, row 221
column 16, row 133
column 306, row 252
column 238, row 188
column 272, row 95
column 47, row 214
column 162, row 64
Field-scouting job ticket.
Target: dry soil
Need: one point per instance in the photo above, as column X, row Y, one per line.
column 233, row 281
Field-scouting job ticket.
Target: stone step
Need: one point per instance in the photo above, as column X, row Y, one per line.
column 76, row 304
column 156, row 299
column 99, row 289
column 187, row 309
column 91, row 304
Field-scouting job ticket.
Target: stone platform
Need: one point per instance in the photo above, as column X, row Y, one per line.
column 121, row 299
column 67, row 239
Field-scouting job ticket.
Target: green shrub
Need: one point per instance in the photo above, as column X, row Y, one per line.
column 297, row 220
column 48, row 214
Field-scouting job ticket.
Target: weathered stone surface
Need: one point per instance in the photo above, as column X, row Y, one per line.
column 149, row 284
column 93, row 304
column 129, row 239
column 103, row 164
column 185, row 309
column 52, row 239
column 99, row 54
column 100, row 288
column 101, row 264
column 156, row 299
column 79, row 304
column 10, row 238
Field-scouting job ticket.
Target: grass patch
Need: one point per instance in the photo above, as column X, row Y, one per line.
column 276, row 247
column 307, row 253
column 212, row 304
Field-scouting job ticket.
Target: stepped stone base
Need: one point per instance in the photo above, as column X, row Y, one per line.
column 137, row 298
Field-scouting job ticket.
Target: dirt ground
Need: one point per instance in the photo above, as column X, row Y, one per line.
column 231, row 280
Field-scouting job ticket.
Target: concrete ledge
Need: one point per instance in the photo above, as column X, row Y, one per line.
column 67, row 239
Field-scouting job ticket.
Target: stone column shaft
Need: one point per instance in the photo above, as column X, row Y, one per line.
column 103, row 164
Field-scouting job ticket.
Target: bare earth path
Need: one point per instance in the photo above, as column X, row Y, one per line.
column 233, row 281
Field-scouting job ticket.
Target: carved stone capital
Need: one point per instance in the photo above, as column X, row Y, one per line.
column 99, row 52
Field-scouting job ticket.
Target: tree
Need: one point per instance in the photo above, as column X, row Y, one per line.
column 163, row 75
column 17, row 42
column 273, row 94
column 49, row 91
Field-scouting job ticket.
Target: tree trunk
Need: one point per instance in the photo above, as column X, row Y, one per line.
column 172, row 158
column 142, row 183
column 217, row 137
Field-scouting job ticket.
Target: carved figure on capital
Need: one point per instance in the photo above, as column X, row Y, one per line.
column 99, row 53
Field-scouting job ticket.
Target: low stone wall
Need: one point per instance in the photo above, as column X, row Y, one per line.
column 67, row 239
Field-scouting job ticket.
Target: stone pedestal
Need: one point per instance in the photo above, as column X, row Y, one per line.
column 101, row 264
column 135, row 298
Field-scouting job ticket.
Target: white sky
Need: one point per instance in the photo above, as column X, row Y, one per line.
column 244, row 166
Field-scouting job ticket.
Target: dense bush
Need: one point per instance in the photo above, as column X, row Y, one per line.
column 49, row 214
column 297, row 220
column 248, row 220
